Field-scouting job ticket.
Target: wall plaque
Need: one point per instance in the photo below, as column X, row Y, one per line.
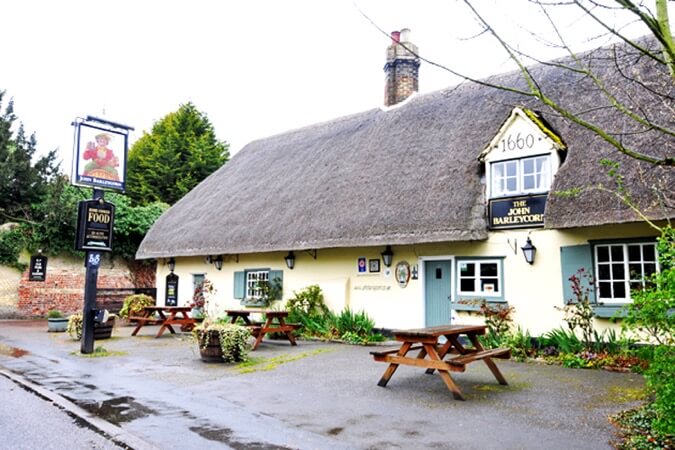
column 38, row 268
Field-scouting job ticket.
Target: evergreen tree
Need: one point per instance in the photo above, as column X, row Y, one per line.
column 22, row 183
column 178, row 154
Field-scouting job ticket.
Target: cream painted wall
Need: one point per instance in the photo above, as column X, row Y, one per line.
column 533, row 290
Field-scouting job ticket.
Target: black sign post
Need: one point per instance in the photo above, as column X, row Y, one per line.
column 38, row 268
column 94, row 235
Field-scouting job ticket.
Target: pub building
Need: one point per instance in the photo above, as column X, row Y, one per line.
column 419, row 210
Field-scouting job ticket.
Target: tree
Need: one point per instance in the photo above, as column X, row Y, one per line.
column 179, row 153
column 23, row 183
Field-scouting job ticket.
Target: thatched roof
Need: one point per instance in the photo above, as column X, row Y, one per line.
column 410, row 174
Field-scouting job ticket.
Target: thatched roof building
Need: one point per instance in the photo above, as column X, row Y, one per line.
column 411, row 174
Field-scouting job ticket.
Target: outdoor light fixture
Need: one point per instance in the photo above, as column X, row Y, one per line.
column 218, row 262
column 387, row 256
column 528, row 251
column 172, row 264
column 208, row 259
column 290, row 260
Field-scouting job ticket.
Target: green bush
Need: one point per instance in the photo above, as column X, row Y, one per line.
column 520, row 343
column 565, row 341
column 233, row 338
column 11, row 244
column 661, row 380
column 74, row 327
column 54, row 314
column 133, row 304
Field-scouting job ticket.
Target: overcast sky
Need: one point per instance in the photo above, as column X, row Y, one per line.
column 255, row 67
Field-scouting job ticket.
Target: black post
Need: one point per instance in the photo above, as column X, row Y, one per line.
column 92, row 262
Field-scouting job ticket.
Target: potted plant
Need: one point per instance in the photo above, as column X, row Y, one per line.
column 220, row 341
column 56, row 322
column 101, row 330
column 133, row 305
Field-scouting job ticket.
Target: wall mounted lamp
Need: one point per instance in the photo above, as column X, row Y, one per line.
column 208, row 259
column 387, row 256
column 172, row 264
column 529, row 251
column 290, row 260
column 218, row 262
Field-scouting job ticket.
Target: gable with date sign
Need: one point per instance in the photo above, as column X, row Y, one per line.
column 520, row 163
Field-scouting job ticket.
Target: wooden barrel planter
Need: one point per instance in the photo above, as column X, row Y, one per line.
column 212, row 351
column 103, row 330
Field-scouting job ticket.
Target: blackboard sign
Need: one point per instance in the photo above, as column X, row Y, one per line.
column 38, row 268
column 95, row 225
column 519, row 212
column 171, row 295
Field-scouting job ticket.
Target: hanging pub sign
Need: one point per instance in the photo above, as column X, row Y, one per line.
column 519, row 212
column 95, row 220
column 100, row 154
column 38, row 268
column 171, row 296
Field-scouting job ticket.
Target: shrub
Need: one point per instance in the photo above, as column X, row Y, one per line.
column 54, row 314
column 565, row 341
column 233, row 339
column 74, row 328
column 498, row 321
column 133, row 304
column 309, row 302
column 578, row 310
column 520, row 343
column 661, row 380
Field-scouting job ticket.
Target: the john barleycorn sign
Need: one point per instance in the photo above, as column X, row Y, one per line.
column 518, row 212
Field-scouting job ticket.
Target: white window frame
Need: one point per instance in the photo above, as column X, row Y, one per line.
column 496, row 180
column 627, row 281
column 477, row 278
column 252, row 278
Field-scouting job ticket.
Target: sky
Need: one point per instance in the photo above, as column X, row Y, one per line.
column 256, row 68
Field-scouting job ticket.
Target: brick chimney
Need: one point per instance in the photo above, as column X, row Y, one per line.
column 401, row 69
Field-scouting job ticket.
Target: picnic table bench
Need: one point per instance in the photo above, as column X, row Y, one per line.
column 177, row 315
column 274, row 323
column 432, row 353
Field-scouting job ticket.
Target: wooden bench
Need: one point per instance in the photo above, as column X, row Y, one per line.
column 462, row 360
column 389, row 351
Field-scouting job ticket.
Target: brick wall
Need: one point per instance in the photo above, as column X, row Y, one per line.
column 64, row 286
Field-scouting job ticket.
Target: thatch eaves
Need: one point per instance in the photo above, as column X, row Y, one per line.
column 410, row 174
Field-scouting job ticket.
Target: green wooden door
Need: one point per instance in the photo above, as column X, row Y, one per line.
column 437, row 292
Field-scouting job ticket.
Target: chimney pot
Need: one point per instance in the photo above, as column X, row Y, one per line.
column 404, row 35
column 395, row 37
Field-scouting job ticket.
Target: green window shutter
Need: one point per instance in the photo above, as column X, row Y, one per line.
column 277, row 274
column 573, row 258
column 239, row 285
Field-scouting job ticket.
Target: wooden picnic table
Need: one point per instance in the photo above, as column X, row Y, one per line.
column 432, row 352
column 274, row 323
column 177, row 315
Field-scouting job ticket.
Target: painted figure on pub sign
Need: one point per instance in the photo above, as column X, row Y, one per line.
column 102, row 161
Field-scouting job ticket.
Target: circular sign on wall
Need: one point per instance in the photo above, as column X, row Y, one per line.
column 403, row 273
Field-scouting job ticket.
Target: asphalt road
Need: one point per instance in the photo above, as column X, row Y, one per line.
column 28, row 421
column 314, row 396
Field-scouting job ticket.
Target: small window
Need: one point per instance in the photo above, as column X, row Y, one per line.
column 197, row 280
column 521, row 176
column 479, row 278
column 621, row 268
column 253, row 280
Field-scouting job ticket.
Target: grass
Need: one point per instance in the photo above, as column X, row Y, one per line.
column 99, row 352
column 259, row 363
